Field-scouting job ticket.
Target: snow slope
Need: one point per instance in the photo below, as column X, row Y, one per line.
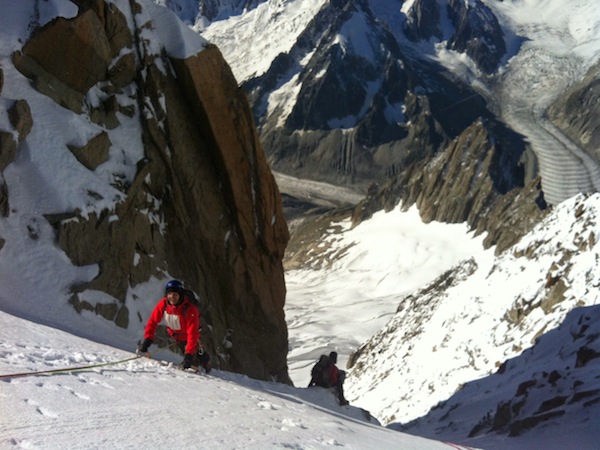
column 143, row 404
column 136, row 405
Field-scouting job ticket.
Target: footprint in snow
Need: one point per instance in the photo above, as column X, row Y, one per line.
column 40, row 409
column 46, row 412
column 267, row 405
column 288, row 423
column 76, row 394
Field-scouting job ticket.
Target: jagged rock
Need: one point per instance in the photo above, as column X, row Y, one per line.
column 203, row 205
column 48, row 84
column 518, row 427
column 423, row 20
column 577, row 113
column 584, row 355
column 99, row 33
column 19, row 118
column 3, row 200
column 85, row 50
column 555, row 295
column 122, row 72
column 477, row 179
column 8, row 148
column 105, row 113
column 477, row 33
column 94, row 152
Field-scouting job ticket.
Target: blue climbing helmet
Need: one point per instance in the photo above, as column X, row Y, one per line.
column 174, row 286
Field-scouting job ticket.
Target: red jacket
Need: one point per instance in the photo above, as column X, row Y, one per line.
column 182, row 320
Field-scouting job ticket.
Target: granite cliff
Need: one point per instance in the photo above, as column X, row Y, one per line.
column 202, row 206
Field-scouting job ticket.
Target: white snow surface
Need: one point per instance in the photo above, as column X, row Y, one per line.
column 144, row 404
column 238, row 39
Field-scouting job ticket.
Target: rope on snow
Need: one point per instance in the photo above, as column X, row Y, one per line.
column 79, row 368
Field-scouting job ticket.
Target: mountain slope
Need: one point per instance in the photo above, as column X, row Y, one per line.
column 469, row 321
column 142, row 404
column 459, row 59
column 129, row 156
column 551, row 387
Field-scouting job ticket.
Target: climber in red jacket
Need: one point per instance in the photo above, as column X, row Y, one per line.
column 326, row 374
column 182, row 319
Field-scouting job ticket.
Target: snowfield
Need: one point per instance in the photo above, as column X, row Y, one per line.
column 142, row 404
column 124, row 402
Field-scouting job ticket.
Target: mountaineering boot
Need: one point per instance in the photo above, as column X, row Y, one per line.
column 204, row 361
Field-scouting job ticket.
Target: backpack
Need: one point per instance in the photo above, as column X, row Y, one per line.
column 320, row 372
column 192, row 298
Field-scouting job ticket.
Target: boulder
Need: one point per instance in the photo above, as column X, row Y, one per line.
column 94, row 152
column 19, row 115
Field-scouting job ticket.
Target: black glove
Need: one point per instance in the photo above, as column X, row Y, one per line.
column 187, row 361
column 143, row 346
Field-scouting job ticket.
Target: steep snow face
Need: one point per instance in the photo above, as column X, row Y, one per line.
column 552, row 386
column 178, row 39
column 352, row 34
column 143, row 404
column 469, row 321
column 251, row 41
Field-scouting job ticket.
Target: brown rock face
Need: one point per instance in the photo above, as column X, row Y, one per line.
column 94, row 153
column 85, row 55
column 477, row 179
column 204, row 175
column 19, row 117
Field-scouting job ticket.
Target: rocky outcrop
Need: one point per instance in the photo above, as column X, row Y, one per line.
column 15, row 131
column 19, row 122
column 423, row 21
column 534, row 399
column 94, row 152
column 479, row 179
column 92, row 44
column 477, row 33
column 576, row 113
column 203, row 206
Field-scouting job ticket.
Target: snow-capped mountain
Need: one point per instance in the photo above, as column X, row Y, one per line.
column 340, row 88
column 437, row 311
